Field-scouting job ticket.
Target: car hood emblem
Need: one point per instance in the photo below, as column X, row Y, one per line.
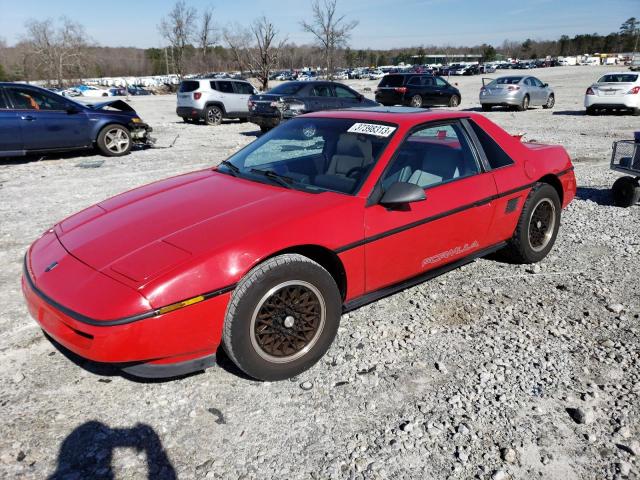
column 51, row 267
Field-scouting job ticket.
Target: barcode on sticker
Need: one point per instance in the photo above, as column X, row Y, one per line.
column 372, row 129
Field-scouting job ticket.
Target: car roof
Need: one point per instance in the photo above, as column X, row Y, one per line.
column 398, row 115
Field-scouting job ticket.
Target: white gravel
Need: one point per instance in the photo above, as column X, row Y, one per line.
column 491, row 371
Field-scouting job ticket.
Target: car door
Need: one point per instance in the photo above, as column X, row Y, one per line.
column 243, row 91
column 542, row 90
column 532, row 90
column 451, row 223
column 10, row 129
column 321, row 97
column 443, row 91
column 227, row 96
column 347, row 98
column 48, row 121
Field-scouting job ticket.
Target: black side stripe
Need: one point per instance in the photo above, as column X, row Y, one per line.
column 107, row 323
column 433, row 218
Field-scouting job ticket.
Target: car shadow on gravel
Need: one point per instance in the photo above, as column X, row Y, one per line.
column 575, row 113
column 87, row 452
column 601, row 196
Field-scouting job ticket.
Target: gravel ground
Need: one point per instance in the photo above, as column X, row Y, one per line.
column 491, row 371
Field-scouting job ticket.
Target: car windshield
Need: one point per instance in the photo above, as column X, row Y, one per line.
column 313, row 154
column 618, row 78
column 505, row 81
column 286, row 89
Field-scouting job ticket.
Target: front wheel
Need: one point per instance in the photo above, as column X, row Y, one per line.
column 551, row 101
column 537, row 227
column 625, row 192
column 282, row 318
column 454, row 101
column 114, row 141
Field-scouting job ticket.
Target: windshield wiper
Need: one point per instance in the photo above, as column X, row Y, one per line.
column 270, row 174
column 235, row 171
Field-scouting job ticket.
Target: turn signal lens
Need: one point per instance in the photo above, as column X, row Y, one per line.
column 136, row 120
column 176, row 306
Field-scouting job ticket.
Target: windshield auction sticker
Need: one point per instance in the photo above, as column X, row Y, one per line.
column 372, row 129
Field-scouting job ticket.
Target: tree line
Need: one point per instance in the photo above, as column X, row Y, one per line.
column 62, row 52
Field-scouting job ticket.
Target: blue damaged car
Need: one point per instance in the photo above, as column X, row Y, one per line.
column 35, row 120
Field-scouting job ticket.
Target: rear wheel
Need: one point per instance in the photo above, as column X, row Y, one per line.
column 416, row 101
column 524, row 105
column 114, row 141
column 213, row 115
column 625, row 191
column 537, row 227
column 282, row 317
column 486, row 108
column 551, row 101
column 454, row 101
column 635, row 112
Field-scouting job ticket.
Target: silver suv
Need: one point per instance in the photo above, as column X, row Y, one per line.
column 212, row 100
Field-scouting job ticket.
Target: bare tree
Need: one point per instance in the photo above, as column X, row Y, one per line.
column 207, row 36
column 264, row 56
column 238, row 40
column 59, row 52
column 178, row 29
column 331, row 31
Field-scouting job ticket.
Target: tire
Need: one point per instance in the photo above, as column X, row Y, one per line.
column 416, row 101
column 625, row 192
column 114, row 141
column 635, row 112
column 282, row 280
column 524, row 105
column 213, row 115
column 551, row 101
column 486, row 108
column 531, row 245
column 454, row 101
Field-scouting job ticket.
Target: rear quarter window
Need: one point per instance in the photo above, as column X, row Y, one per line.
column 392, row 81
column 189, row 86
column 3, row 102
column 495, row 154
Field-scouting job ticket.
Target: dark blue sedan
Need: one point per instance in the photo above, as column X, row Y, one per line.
column 35, row 120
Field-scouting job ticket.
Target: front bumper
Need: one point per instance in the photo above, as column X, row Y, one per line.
column 140, row 133
column 183, row 337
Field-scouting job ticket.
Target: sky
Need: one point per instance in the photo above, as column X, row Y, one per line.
column 382, row 23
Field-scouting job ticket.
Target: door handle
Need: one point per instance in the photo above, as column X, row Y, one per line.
column 28, row 118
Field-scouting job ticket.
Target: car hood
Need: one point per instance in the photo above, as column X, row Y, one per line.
column 147, row 231
column 117, row 105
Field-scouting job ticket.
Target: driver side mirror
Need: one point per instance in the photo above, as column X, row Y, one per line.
column 402, row 193
column 545, row 85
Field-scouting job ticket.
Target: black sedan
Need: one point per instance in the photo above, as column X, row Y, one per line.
column 416, row 90
column 294, row 98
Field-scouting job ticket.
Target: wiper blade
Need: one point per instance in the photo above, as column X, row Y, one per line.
column 280, row 179
column 235, row 171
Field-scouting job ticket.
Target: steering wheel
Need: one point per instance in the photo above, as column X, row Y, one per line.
column 355, row 170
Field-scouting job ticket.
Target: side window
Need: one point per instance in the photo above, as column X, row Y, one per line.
column 225, row 87
column 529, row 81
column 440, row 82
column 495, row 155
column 537, row 82
column 321, row 91
column 415, row 81
column 3, row 103
column 243, row 88
column 342, row 92
column 27, row 99
column 431, row 156
column 428, row 81
column 213, row 86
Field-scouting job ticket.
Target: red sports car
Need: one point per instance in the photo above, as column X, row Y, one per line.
column 263, row 253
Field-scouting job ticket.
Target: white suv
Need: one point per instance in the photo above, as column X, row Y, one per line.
column 212, row 99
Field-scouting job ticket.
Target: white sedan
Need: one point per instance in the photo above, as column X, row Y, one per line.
column 89, row 91
column 614, row 91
